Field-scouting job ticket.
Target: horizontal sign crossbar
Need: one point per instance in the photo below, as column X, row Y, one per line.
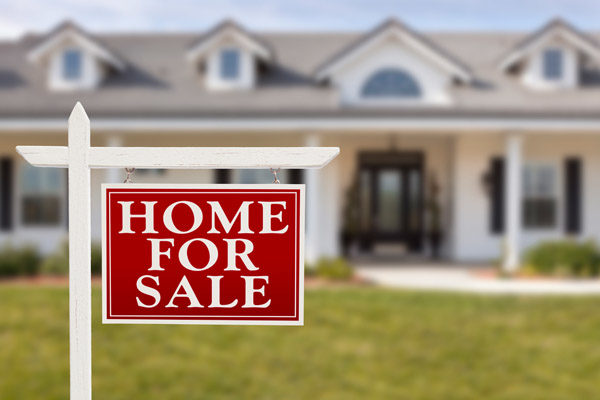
column 186, row 157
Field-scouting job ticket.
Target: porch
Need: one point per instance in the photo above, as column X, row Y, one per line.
column 497, row 192
column 484, row 197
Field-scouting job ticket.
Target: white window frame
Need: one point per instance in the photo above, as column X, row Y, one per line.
column 558, row 182
column 377, row 97
column 18, row 195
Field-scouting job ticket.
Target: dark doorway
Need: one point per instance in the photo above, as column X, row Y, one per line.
column 391, row 199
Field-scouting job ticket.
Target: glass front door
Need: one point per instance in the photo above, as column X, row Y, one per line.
column 391, row 201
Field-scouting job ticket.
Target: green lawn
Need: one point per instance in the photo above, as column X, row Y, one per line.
column 358, row 343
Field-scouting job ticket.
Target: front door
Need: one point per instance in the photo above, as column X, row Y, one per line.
column 391, row 199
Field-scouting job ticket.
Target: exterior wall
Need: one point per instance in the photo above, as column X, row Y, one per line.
column 457, row 161
column 473, row 240
column 391, row 53
column 533, row 75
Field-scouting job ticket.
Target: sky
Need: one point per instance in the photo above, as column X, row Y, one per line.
column 19, row 16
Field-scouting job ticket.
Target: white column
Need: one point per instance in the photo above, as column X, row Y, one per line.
column 312, row 182
column 114, row 175
column 512, row 217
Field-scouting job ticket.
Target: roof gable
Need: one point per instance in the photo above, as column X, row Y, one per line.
column 414, row 40
column 555, row 28
column 70, row 31
column 232, row 30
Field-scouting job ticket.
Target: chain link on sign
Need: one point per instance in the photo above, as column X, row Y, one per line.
column 275, row 178
column 129, row 172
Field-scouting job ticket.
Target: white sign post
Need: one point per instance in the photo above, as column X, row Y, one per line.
column 79, row 157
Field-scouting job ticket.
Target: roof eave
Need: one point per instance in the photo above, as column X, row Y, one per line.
column 453, row 68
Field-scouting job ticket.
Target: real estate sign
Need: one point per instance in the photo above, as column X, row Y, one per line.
column 203, row 254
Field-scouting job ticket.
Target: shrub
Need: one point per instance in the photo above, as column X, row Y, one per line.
column 333, row 268
column 23, row 261
column 309, row 270
column 58, row 263
column 96, row 259
column 563, row 258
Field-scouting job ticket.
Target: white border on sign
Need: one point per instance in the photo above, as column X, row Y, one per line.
column 232, row 320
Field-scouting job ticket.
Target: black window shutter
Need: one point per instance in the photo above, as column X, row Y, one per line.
column 295, row 176
column 573, row 189
column 222, row 176
column 6, row 193
column 497, row 171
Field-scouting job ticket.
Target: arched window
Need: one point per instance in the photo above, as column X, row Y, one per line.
column 391, row 83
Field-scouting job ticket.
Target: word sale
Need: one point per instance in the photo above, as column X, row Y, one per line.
column 203, row 237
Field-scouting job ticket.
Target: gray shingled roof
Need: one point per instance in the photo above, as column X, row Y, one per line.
column 160, row 82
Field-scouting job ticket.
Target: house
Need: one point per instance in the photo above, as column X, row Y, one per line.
column 476, row 144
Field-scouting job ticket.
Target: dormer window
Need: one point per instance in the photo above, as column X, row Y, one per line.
column 72, row 65
column 73, row 59
column 230, row 64
column 229, row 57
column 553, row 64
column 552, row 58
column 391, row 83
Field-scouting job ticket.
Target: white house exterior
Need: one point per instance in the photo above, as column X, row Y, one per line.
column 504, row 128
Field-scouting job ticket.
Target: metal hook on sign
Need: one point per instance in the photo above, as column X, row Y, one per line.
column 129, row 172
column 274, row 172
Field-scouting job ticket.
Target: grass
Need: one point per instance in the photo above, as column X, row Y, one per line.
column 358, row 343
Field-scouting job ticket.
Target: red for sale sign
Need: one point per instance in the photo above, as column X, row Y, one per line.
column 203, row 254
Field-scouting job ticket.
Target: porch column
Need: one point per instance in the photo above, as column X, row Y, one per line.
column 512, row 217
column 114, row 175
column 312, row 182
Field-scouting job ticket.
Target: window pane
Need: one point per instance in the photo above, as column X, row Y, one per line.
column 41, row 195
column 539, row 213
column 389, row 201
column 539, row 196
column 553, row 64
column 230, row 64
column 365, row 200
column 414, row 187
column 391, row 83
column 36, row 180
column 72, row 64
column 31, row 179
column 41, row 210
column 545, row 182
